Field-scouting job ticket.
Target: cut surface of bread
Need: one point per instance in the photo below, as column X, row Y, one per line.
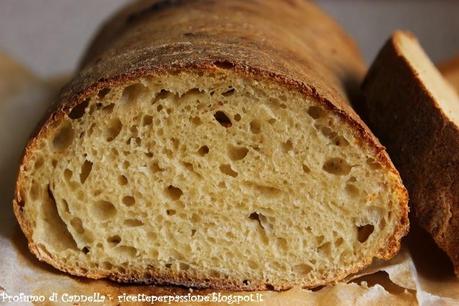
column 212, row 169
column 415, row 113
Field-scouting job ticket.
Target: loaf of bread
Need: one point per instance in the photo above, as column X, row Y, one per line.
column 415, row 113
column 211, row 144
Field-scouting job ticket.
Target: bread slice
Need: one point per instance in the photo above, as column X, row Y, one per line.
column 415, row 113
column 212, row 150
column 450, row 71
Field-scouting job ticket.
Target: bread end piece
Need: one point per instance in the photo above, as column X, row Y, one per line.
column 415, row 114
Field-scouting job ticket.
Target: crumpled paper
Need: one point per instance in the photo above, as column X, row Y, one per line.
column 419, row 275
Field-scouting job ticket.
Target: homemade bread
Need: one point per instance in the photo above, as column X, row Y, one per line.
column 415, row 113
column 211, row 144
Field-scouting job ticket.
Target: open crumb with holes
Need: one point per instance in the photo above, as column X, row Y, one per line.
column 230, row 172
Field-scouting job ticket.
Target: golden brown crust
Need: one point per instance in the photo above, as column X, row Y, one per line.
column 421, row 140
column 209, row 36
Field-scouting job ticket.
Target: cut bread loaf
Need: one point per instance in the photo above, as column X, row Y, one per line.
column 211, row 144
column 415, row 113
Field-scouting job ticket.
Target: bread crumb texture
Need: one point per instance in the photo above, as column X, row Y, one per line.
column 234, row 181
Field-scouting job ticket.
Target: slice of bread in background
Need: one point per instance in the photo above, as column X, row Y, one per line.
column 450, row 70
column 219, row 151
column 415, row 113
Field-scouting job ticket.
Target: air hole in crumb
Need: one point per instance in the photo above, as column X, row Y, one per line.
column 264, row 190
column 224, row 64
column 272, row 121
column 325, row 248
column 85, row 171
column 228, row 92
column 77, row 225
column 132, row 93
column 302, row 269
column 339, row 242
column 35, row 191
column 193, row 232
column 66, row 206
column 246, row 282
column 373, row 164
column 68, row 174
column 126, row 251
column 340, row 141
column 306, row 169
column 237, row 153
column 282, row 244
column 63, row 137
column 316, row 112
column 114, row 240
column 147, row 120
column 154, row 167
column 287, row 146
column 203, row 150
column 337, row 166
column 122, row 180
column 113, row 129
column 223, row 119
column 175, row 143
column 171, row 212
column 237, row 117
column 196, row 121
column 133, row 222
column 253, row 264
column 85, row 250
column 104, row 210
column 174, row 192
column 183, row 266
column 109, row 108
column 226, row 169
column 163, row 94
column 364, row 232
column 352, row 190
column 195, row 218
column 79, row 110
column 255, row 126
column 159, row 108
column 259, row 217
column 103, row 92
column 128, row 200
